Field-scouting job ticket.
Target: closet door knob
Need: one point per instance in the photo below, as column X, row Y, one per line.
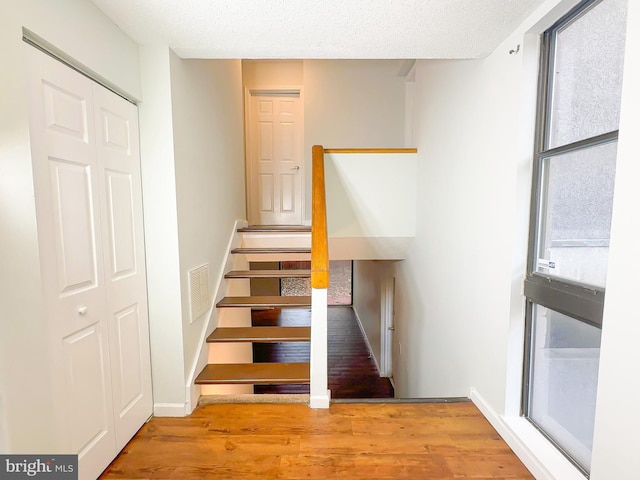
column 82, row 310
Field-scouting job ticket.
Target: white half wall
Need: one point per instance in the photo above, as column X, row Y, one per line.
column 81, row 31
column 371, row 204
column 371, row 194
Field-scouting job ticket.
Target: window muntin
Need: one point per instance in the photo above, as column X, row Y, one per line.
column 575, row 214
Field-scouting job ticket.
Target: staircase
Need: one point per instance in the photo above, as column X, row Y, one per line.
column 263, row 243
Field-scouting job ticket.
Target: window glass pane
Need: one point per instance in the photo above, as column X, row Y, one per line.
column 339, row 292
column 576, row 204
column 564, row 377
column 587, row 74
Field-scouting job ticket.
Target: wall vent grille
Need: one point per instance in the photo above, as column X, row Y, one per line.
column 199, row 291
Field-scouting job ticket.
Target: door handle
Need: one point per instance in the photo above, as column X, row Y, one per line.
column 296, row 168
column 391, row 328
column 82, row 310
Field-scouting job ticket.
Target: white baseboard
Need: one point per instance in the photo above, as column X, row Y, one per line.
column 320, row 401
column 193, row 396
column 366, row 339
column 170, row 410
column 543, row 460
column 200, row 358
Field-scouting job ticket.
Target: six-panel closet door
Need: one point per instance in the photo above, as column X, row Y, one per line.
column 86, row 168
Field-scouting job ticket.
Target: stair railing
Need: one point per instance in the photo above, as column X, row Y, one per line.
column 319, row 393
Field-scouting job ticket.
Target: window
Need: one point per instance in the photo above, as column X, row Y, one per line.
column 574, row 169
column 340, row 285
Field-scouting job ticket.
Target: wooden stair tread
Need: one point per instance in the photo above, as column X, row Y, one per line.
column 256, row 250
column 276, row 229
column 254, row 373
column 260, row 334
column 265, row 301
column 268, row 274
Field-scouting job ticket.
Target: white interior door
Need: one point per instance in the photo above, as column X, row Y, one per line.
column 275, row 158
column 387, row 313
column 88, row 207
column 118, row 157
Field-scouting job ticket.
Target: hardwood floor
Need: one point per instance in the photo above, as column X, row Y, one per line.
column 352, row 372
column 291, row 442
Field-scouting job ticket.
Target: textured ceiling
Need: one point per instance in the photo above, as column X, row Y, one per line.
column 320, row 28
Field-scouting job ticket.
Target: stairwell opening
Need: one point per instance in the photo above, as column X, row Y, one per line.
column 352, row 371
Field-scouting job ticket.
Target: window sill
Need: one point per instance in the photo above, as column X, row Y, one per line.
column 542, row 459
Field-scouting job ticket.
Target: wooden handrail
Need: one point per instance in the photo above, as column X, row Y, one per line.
column 370, row 150
column 319, row 237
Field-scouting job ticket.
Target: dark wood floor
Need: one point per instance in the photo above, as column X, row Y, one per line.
column 295, row 442
column 352, row 372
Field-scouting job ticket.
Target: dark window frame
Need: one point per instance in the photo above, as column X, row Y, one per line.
column 582, row 301
column 578, row 300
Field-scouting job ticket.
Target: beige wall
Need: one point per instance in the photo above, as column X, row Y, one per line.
column 352, row 103
column 347, row 103
column 208, row 144
column 272, row 73
column 368, row 277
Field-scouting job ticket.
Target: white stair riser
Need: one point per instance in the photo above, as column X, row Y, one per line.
column 276, row 240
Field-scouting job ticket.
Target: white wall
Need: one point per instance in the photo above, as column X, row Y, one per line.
column 161, row 229
column 452, row 290
column 77, row 28
column 615, row 449
column 209, row 166
column 367, row 297
column 459, row 303
column 461, row 284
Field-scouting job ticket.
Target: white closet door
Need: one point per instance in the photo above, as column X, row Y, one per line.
column 118, row 154
column 67, row 204
column 86, row 166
